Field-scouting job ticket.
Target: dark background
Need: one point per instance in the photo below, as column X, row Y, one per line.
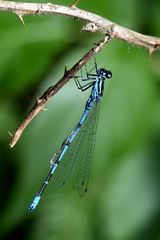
column 123, row 198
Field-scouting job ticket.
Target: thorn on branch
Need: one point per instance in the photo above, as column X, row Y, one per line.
column 36, row 12
column 45, row 109
column 38, row 100
column 20, row 16
column 10, row 133
column 74, row 4
column 65, row 69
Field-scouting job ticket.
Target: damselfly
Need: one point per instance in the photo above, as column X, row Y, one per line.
column 76, row 153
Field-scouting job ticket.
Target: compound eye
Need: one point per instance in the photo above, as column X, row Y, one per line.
column 109, row 74
column 102, row 71
column 105, row 73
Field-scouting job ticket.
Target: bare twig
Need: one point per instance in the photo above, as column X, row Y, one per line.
column 51, row 91
column 100, row 24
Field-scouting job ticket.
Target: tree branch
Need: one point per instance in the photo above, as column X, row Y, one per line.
column 51, row 91
column 94, row 22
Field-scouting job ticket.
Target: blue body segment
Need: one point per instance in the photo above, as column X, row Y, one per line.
column 35, row 202
column 84, row 128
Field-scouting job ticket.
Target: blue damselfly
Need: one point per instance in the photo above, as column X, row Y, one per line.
column 76, row 152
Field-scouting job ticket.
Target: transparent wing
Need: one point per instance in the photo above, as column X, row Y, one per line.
column 77, row 159
column 86, row 151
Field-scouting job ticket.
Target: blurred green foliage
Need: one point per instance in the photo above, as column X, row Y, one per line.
column 123, row 198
